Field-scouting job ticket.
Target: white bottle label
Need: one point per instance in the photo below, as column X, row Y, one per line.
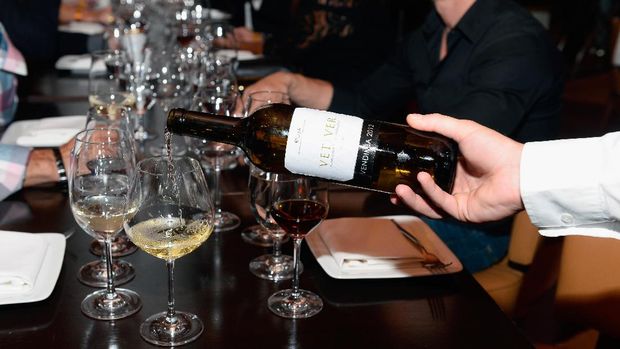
column 323, row 144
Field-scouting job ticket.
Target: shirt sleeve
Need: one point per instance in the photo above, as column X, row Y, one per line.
column 13, row 161
column 572, row 187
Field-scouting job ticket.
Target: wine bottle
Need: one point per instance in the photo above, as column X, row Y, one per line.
column 341, row 148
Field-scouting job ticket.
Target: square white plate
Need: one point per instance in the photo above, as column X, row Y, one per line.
column 426, row 235
column 27, row 127
column 48, row 275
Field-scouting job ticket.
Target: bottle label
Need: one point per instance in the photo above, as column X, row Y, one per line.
column 325, row 144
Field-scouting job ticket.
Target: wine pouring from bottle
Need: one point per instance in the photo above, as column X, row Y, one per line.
column 341, row 148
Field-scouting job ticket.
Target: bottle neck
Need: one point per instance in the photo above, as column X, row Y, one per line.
column 216, row 128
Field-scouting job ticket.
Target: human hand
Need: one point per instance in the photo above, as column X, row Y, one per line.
column 486, row 186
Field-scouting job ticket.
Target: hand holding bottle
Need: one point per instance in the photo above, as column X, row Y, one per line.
column 486, row 186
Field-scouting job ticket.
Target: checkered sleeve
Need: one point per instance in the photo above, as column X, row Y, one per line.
column 13, row 161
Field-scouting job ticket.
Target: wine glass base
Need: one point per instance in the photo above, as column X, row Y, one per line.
column 276, row 269
column 156, row 330
column 305, row 305
column 97, row 305
column 94, row 274
column 257, row 235
column 121, row 247
column 226, row 221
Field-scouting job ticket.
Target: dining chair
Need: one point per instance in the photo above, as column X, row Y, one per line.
column 528, row 271
column 588, row 288
column 613, row 102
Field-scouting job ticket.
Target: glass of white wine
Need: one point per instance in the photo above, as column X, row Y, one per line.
column 102, row 165
column 174, row 216
column 109, row 81
column 94, row 273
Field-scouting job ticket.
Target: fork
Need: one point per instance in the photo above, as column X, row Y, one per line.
column 431, row 261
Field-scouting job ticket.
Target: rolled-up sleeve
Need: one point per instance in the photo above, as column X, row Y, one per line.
column 13, row 160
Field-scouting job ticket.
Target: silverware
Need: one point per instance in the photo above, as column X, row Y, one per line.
column 431, row 261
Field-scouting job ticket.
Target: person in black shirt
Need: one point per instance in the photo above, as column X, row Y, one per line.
column 485, row 60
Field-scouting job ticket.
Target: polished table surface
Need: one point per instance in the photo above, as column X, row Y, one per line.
column 439, row 311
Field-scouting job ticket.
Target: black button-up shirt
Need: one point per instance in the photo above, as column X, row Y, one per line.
column 501, row 70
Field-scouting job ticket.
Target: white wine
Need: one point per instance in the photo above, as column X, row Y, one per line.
column 169, row 238
column 102, row 216
column 112, row 103
column 363, row 153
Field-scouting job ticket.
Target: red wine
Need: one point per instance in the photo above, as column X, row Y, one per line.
column 341, row 148
column 298, row 216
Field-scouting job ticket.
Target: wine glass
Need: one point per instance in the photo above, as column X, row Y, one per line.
column 298, row 207
column 275, row 266
column 108, row 81
column 257, row 234
column 95, row 273
column 102, row 164
column 220, row 100
column 174, row 216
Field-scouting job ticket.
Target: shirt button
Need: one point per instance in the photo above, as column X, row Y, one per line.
column 567, row 218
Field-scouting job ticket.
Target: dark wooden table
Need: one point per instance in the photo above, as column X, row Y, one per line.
column 440, row 311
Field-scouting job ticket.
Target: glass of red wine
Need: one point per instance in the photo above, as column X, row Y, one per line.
column 298, row 206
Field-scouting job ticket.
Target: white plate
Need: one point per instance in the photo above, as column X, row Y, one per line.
column 88, row 28
column 424, row 234
column 67, row 126
column 48, row 275
column 79, row 64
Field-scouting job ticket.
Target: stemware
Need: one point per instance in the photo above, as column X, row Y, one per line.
column 275, row 266
column 108, row 81
column 298, row 207
column 95, row 273
column 219, row 100
column 257, row 234
column 102, row 163
column 174, row 216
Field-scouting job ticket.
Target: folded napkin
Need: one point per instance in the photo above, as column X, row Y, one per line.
column 359, row 244
column 241, row 55
column 52, row 132
column 21, row 257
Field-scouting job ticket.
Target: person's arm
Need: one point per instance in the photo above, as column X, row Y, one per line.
column 302, row 90
column 568, row 187
column 572, row 187
column 24, row 167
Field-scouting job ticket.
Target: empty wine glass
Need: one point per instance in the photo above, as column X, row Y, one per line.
column 275, row 266
column 174, row 216
column 298, row 206
column 257, row 234
column 102, row 164
column 218, row 100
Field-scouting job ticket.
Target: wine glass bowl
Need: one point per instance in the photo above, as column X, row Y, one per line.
column 102, row 163
column 275, row 266
column 298, row 206
column 174, row 216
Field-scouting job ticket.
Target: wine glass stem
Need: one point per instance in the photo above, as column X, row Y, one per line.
column 171, row 315
column 296, row 251
column 217, row 193
column 277, row 251
column 107, row 248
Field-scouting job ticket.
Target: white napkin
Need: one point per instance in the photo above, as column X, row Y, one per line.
column 21, row 257
column 370, row 243
column 74, row 62
column 52, row 132
column 241, row 55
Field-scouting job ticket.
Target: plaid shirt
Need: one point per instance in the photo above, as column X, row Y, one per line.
column 12, row 158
